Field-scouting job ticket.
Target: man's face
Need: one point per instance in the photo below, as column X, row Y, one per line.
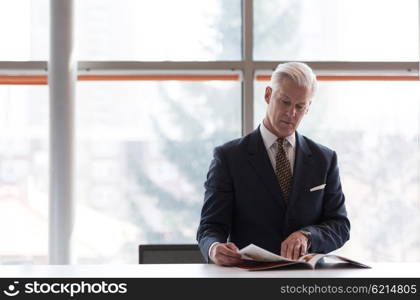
column 287, row 105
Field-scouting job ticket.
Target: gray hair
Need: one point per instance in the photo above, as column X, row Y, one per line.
column 299, row 73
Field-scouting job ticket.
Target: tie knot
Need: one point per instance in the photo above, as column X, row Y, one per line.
column 281, row 142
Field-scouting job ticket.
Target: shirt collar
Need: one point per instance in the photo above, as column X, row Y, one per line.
column 270, row 138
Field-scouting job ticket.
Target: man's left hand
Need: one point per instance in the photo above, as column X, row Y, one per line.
column 295, row 245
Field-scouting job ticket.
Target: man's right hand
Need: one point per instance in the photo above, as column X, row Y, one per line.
column 225, row 254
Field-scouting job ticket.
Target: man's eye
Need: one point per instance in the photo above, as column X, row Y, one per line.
column 286, row 102
column 299, row 107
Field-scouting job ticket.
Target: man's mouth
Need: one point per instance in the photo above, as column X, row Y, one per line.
column 287, row 123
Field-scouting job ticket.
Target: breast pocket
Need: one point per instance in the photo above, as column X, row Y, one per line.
column 317, row 188
column 307, row 209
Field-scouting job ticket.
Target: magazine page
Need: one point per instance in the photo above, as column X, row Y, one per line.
column 253, row 252
column 312, row 259
column 257, row 258
column 335, row 258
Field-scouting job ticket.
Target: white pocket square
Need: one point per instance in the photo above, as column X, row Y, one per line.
column 318, row 187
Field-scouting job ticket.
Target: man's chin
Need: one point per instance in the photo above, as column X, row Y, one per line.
column 286, row 131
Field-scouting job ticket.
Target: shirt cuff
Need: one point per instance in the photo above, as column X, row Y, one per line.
column 211, row 247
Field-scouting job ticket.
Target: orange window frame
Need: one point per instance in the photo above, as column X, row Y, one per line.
column 352, row 78
column 43, row 79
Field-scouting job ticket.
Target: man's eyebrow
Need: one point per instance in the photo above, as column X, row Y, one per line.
column 284, row 97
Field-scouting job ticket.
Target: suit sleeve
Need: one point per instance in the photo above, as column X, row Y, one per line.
column 216, row 214
column 333, row 230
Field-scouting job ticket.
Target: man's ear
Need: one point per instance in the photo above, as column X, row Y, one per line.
column 267, row 94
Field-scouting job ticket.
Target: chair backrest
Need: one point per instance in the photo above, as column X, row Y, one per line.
column 170, row 254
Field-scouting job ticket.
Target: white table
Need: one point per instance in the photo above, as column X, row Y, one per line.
column 381, row 270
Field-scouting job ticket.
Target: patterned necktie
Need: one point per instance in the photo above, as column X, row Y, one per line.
column 283, row 170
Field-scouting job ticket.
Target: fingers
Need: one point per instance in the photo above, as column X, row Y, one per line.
column 226, row 254
column 283, row 251
column 291, row 250
column 228, row 261
column 303, row 249
column 233, row 247
column 296, row 251
column 294, row 246
column 229, row 252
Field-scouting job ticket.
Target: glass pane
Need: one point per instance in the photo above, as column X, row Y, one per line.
column 24, row 29
column 159, row 30
column 23, row 174
column 143, row 151
column 375, row 129
column 322, row 30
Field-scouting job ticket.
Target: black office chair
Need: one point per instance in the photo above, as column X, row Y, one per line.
column 170, row 254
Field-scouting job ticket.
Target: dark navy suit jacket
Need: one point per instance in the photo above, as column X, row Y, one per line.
column 243, row 202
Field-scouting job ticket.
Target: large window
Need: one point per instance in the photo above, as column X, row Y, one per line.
column 143, row 150
column 159, row 30
column 23, row 173
column 330, row 30
column 24, row 30
column 161, row 83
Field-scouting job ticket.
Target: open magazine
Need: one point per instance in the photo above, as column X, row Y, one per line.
column 256, row 258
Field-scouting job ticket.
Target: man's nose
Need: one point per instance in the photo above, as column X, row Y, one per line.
column 291, row 111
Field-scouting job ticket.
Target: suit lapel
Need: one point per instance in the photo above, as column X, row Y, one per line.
column 303, row 159
column 260, row 161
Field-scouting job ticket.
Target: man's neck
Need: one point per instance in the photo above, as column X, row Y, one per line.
column 267, row 125
column 270, row 128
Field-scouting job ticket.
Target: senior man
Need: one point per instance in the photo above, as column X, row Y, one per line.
column 274, row 187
